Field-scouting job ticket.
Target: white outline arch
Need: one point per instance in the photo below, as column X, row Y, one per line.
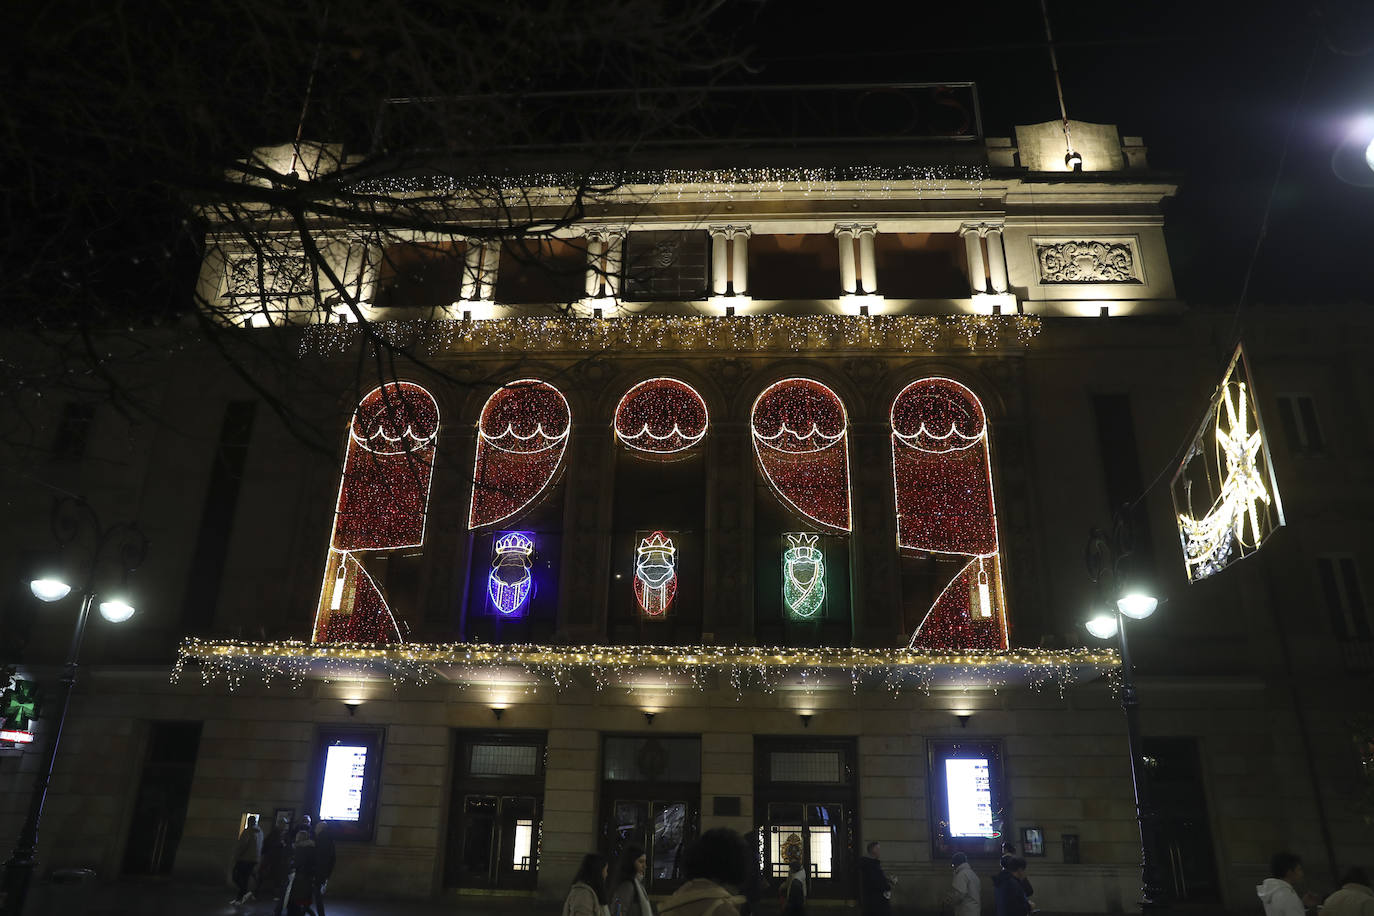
column 690, row 438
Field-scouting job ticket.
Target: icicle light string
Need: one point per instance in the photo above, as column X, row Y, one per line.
column 747, row 332
column 619, row 666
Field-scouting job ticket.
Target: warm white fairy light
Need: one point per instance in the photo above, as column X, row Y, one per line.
column 661, row 416
column 807, row 467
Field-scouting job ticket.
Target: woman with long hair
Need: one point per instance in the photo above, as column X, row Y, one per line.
column 587, row 896
column 628, row 897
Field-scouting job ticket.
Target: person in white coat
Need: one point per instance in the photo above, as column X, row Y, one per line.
column 1355, row 898
column 1278, row 893
column 966, row 895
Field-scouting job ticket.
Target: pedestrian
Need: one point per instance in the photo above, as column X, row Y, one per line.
column 718, row 868
column 247, row 851
column 302, row 880
column 1008, row 890
column 1354, row 898
column 966, row 894
column 1008, row 854
column 324, row 863
column 875, row 887
column 587, row 896
column 794, row 890
column 628, row 897
column 274, row 864
column 1279, row 892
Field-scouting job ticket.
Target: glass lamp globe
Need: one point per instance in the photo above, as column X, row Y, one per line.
column 49, row 588
column 1137, row 605
column 1103, row 626
column 116, row 610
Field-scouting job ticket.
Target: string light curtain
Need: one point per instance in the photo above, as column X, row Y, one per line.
column 383, row 497
column 661, row 416
column 521, row 439
column 942, row 479
column 800, row 433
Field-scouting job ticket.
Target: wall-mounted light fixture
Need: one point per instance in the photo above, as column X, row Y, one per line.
column 352, row 704
column 1073, row 161
column 649, row 716
column 963, row 718
column 498, row 711
column 805, row 718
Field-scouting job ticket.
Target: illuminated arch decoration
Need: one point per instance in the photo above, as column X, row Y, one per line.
column 942, row 478
column 383, row 497
column 521, row 438
column 510, row 583
column 662, row 416
column 800, row 433
column 656, row 574
column 803, row 576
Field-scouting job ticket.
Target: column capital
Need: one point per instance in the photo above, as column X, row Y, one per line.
column 730, row 232
column 849, row 229
column 981, row 229
column 605, row 233
column 863, row 229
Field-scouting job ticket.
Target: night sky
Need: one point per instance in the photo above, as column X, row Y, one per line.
column 1211, row 87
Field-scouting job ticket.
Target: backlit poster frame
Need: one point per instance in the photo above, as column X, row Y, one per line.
column 942, row 844
column 372, row 739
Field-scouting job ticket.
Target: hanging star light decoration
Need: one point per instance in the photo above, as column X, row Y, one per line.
column 1245, row 507
column 381, row 508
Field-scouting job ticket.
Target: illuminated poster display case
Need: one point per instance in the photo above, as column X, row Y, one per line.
column 344, row 777
column 967, row 798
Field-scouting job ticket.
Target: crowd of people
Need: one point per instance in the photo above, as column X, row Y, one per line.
column 290, row 866
column 1279, row 891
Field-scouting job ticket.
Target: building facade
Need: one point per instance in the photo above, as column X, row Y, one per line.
column 753, row 499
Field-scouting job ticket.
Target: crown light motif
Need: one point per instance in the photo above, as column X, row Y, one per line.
column 803, row 576
column 509, row 584
column 656, row 574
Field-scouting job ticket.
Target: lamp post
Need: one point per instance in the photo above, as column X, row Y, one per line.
column 71, row 518
column 1106, row 557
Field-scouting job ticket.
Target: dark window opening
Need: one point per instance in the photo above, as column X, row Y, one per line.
column 542, row 272
column 206, row 574
column 73, row 431
column 786, row 612
column 524, row 610
column 1298, row 415
column 921, row 265
column 1116, row 445
column 1340, row 583
column 164, row 796
column 667, row 266
column 794, row 267
column 420, row 275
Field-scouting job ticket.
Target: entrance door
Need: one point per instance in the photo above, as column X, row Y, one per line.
column 1183, row 840
column 651, row 798
column 813, row 833
column 660, row 827
column 498, row 848
column 497, row 802
column 164, row 791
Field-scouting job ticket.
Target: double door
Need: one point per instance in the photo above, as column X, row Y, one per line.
column 817, row 834
column 498, row 844
column 662, row 827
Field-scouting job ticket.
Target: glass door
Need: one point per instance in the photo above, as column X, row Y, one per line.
column 814, row 834
column 499, row 841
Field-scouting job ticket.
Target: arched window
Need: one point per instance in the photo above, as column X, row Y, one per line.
column 942, row 477
column 521, row 438
column 800, row 433
column 658, row 514
column 383, row 496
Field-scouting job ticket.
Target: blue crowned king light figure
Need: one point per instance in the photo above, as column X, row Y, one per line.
column 803, row 576
column 509, row 584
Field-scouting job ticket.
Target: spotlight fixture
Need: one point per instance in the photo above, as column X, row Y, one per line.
column 805, row 719
column 729, row 311
column 649, row 717
column 963, row 718
column 498, row 711
column 1073, row 161
column 352, row 704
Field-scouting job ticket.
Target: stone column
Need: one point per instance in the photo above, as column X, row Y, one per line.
column 848, row 281
column 868, row 266
column 472, row 269
column 491, row 257
column 739, row 274
column 997, row 260
column 719, row 272
column 596, row 249
column 615, row 261
column 973, row 243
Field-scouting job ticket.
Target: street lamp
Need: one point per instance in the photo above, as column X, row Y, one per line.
column 71, row 518
column 1118, row 601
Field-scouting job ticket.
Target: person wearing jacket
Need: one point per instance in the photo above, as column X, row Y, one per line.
column 966, row 893
column 628, row 897
column 587, row 895
column 1278, row 893
column 302, row 881
column 324, row 863
column 875, row 887
column 1006, row 886
column 274, row 864
column 1355, row 897
column 794, row 891
column 247, row 851
column 718, row 866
